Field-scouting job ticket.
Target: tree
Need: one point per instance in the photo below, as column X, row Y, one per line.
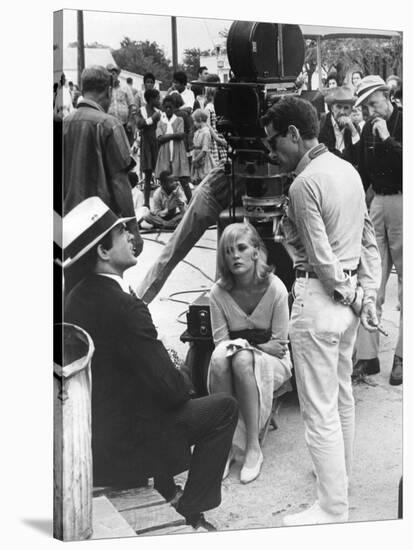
column 370, row 55
column 144, row 56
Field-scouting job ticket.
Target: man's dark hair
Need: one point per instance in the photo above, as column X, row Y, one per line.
column 87, row 263
column 164, row 175
column 150, row 94
column 357, row 72
column 148, row 76
column 212, row 78
column 201, row 69
column 95, row 79
column 293, row 111
column 177, row 99
column 169, row 99
column 198, row 90
column 180, row 77
column 129, row 80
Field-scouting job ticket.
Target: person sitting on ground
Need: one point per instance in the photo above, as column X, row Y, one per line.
column 169, row 204
column 249, row 319
column 144, row 421
column 147, row 119
column 172, row 153
column 202, row 160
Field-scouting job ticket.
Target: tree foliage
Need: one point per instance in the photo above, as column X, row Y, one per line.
column 382, row 56
column 144, row 56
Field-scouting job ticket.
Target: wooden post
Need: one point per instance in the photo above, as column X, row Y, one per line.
column 72, row 475
column 174, row 44
column 80, row 47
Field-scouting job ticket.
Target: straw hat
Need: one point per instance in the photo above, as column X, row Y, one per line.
column 368, row 85
column 341, row 94
column 84, row 226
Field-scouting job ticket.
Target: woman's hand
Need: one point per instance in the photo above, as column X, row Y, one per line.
column 278, row 348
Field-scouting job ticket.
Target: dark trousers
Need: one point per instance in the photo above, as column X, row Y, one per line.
column 210, row 423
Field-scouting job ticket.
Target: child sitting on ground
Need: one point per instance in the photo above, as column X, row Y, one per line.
column 169, row 204
column 202, row 160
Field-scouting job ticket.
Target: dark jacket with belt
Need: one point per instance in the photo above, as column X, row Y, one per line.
column 328, row 137
column 135, row 386
column 380, row 162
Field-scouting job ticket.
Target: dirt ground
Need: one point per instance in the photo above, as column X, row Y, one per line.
column 286, row 483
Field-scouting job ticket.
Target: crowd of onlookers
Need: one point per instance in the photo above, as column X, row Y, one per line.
column 172, row 135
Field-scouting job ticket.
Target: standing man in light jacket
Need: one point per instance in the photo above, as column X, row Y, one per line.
column 331, row 240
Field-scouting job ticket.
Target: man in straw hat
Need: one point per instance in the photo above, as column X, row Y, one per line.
column 380, row 166
column 331, row 241
column 144, row 421
column 337, row 130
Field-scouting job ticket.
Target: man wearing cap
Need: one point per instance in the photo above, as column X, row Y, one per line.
column 96, row 153
column 144, row 421
column 337, row 130
column 122, row 105
column 331, row 240
column 380, row 166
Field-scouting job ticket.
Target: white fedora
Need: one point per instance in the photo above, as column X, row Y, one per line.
column 368, row 85
column 84, row 226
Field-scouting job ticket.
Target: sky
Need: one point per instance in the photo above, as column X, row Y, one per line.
column 109, row 28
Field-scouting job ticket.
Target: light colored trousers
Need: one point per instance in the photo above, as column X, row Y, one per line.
column 386, row 213
column 322, row 334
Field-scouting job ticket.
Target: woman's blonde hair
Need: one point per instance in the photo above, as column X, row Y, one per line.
column 200, row 115
column 228, row 239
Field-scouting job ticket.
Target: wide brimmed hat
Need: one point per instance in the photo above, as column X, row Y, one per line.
column 341, row 94
column 368, row 85
column 84, row 226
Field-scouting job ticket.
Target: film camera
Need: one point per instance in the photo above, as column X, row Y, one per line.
column 265, row 60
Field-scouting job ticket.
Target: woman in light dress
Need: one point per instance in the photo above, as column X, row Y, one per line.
column 249, row 317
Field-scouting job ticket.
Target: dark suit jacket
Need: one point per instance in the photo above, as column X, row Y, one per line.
column 136, row 389
column 328, row 137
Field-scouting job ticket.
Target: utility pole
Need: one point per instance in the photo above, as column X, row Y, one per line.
column 174, row 44
column 80, row 46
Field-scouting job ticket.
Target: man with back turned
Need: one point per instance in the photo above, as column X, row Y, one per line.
column 331, row 240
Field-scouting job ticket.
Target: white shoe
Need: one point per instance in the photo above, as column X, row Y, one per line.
column 141, row 212
column 249, row 474
column 313, row 516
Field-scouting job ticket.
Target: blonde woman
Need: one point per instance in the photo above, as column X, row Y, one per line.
column 249, row 316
